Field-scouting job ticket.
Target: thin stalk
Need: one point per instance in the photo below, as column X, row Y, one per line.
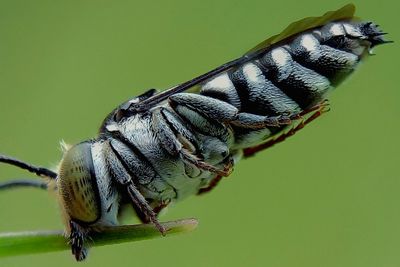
column 32, row 242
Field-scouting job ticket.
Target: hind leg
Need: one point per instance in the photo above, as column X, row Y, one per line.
column 312, row 113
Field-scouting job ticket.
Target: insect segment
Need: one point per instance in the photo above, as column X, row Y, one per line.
column 292, row 78
column 162, row 147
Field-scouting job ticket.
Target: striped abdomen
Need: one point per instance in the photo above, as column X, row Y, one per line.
column 295, row 74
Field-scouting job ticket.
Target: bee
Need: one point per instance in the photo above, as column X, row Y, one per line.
column 162, row 147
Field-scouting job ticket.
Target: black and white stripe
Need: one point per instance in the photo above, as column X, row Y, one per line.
column 295, row 75
column 301, row 70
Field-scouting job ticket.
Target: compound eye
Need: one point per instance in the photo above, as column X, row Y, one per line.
column 77, row 184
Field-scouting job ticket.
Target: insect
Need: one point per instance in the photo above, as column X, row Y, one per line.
column 161, row 147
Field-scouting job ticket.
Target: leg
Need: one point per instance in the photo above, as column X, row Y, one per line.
column 179, row 141
column 315, row 112
column 77, row 241
column 252, row 121
column 122, row 176
column 203, row 116
column 212, row 108
column 142, row 205
column 214, row 182
column 157, row 208
column 162, row 205
column 226, row 171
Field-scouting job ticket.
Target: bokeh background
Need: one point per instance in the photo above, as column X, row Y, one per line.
column 328, row 196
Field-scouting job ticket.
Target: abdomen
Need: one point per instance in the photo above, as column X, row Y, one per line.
column 292, row 76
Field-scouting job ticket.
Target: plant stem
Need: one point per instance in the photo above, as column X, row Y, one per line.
column 21, row 243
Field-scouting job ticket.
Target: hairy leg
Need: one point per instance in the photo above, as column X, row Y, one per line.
column 314, row 113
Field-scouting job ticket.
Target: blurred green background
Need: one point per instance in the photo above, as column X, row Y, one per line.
column 329, row 196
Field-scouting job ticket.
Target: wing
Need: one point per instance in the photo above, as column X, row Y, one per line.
column 346, row 12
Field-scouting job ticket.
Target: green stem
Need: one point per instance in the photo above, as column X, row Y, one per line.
column 20, row 243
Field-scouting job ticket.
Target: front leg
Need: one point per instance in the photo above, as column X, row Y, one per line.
column 125, row 179
column 157, row 207
column 77, row 237
column 140, row 202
